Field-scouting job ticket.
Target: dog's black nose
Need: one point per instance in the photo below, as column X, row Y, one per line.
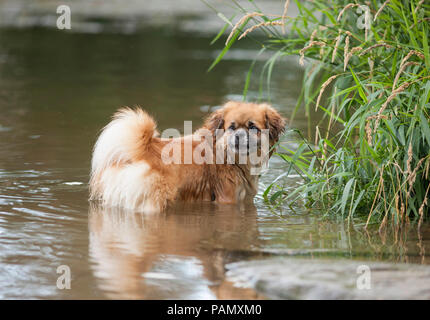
column 240, row 138
column 236, row 141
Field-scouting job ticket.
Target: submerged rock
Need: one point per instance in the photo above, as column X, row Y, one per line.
column 292, row 278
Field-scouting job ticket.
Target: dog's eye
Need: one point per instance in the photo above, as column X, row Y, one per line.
column 252, row 126
column 232, row 126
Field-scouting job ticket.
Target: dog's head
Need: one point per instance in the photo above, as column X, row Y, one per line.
column 242, row 125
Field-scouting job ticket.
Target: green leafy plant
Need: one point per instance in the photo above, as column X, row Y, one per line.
column 367, row 69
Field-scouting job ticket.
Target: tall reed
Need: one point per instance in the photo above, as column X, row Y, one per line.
column 367, row 70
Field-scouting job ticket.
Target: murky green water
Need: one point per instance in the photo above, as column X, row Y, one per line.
column 57, row 90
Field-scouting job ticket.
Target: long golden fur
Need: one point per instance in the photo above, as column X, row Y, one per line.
column 128, row 169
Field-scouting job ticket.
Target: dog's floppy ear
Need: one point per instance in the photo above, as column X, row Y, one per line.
column 215, row 121
column 275, row 123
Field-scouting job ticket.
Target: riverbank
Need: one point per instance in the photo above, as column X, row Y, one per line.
column 96, row 16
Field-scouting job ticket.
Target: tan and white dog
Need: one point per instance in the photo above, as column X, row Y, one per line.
column 132, row 166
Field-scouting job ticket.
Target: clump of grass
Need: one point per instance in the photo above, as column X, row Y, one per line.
column 374, row 83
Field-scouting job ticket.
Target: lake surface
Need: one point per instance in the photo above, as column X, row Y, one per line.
column 58, row 89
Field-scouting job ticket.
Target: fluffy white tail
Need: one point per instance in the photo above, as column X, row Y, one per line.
column 122, row 141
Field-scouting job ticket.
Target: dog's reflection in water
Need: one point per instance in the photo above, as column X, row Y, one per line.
column 179, row 254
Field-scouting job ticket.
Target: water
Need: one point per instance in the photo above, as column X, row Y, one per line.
column 57, row 90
